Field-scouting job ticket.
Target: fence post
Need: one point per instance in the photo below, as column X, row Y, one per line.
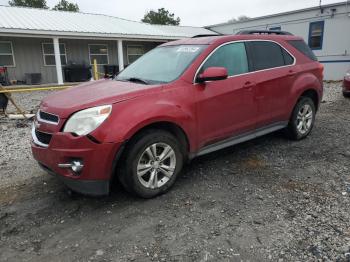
column 95, row 70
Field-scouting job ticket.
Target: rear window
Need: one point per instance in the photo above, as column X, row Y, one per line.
column 288, row 59
column 303, row 48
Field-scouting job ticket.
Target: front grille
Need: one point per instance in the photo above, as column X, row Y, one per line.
column 42, row 137
column 48, row 117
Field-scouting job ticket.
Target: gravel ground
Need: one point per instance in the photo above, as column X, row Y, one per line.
column 16, row 161
column 269, row 199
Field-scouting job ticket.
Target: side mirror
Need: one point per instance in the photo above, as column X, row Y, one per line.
column 213, row 74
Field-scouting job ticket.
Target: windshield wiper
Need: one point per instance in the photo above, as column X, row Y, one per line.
column 136, row 79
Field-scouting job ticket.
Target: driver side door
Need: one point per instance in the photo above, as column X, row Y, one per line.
column 226, row 108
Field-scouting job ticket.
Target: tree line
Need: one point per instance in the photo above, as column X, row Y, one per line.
column 62, row 5
column 160, row 17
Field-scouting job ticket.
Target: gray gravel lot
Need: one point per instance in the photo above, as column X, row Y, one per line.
column 269, row 199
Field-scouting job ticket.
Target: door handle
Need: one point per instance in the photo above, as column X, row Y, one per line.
column 249, row 85
column 291, row 73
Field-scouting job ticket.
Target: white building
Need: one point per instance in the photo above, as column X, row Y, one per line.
column 325, row 28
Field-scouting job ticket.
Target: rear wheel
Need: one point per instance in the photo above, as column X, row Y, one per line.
column 346, row 94
column 151, row 163
column 302, row 120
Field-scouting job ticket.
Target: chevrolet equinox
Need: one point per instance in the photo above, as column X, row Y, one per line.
column 181, row 100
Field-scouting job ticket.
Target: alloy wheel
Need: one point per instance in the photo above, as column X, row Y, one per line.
column 156, row 165
column 304, row 119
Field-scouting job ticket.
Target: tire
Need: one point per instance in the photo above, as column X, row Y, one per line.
column 301, row 121
column 346, row 94
column 139, row 158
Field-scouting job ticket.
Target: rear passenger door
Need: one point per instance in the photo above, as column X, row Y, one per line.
column 274, row 73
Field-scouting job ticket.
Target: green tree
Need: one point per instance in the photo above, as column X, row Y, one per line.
column 29, row 3
column 64, row 5
column 239, row 19
column 161, row 17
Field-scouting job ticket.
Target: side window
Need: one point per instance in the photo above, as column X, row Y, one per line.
column 231, row 56
column 266, row 55
column 302, row 47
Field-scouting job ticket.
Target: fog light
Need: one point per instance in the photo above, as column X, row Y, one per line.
column 76, row 166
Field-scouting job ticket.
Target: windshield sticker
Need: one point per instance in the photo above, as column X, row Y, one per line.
column 187, row 49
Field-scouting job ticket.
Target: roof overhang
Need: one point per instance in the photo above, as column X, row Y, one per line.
column 83, row 35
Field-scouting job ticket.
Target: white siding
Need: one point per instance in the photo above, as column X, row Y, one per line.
column 336, row 38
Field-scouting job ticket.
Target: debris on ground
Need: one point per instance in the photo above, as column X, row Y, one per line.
column 269, row 199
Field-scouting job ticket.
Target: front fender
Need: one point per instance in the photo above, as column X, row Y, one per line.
column 130, row 116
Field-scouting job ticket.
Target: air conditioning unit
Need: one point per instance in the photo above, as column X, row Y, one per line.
column 33, row 78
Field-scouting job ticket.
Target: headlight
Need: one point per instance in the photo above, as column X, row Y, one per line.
column 347, row 76
column 86, row 121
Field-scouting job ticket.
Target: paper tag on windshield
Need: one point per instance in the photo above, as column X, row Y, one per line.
column 187, row 49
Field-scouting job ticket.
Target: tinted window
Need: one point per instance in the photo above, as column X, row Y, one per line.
column 316, row 34
column 231, row 56
column 303, row 48
column 266, row 55
column 288, row 59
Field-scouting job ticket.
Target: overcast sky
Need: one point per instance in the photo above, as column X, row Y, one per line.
column 191, row 12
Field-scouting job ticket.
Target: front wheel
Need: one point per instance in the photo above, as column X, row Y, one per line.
column 346, row 94
column 151, row 163
column 302, row 120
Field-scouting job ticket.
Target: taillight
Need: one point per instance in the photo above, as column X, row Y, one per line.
column 321, row 67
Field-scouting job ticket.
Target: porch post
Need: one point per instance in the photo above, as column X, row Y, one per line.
column 120, row 55
column 56, row 47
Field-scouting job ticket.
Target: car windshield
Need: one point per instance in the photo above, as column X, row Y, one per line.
column 161, row 65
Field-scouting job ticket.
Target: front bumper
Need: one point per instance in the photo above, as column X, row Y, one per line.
column 86, row 187
column 98, row 160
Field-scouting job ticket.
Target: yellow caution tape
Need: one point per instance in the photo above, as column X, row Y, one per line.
column 19, row 90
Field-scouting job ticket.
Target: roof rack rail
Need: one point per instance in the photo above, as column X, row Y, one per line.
column 263, row 32
column 205, row 35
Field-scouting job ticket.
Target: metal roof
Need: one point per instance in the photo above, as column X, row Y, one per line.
column 21, row 20
column 280, row 14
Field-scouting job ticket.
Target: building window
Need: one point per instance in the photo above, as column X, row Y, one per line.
column 134, row 52
column 6, row 54
column 316, row 35
column 100, row 53
column 276, row 28
column 49, row 54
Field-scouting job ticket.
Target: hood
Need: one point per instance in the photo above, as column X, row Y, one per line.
column 95, row 93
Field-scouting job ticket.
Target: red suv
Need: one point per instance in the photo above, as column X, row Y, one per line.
column 181, row 100
column 346, row 85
